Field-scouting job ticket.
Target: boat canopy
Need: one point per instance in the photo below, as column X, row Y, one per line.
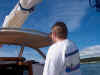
column 25, row 37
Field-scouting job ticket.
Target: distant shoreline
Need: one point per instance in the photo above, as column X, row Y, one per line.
column 90, row 60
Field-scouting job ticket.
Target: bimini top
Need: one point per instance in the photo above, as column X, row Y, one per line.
column 26, row 37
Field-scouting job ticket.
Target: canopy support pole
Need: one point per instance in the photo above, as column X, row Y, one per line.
column 40, row 52
column 21, row 51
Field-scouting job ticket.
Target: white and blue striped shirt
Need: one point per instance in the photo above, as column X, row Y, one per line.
column 62, row 59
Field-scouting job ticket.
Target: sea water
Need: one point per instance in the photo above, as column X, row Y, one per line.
column 90, row 69
column 87, row 69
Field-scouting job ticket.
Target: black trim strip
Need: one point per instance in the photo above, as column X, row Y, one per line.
column 72, row 53
column 25, row 9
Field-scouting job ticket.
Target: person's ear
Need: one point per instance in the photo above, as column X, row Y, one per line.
column 54, row 33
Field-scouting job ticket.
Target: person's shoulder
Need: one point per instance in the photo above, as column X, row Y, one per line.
column 71, row 43
column 52, row 46
column 56, row 45
column 68, row 42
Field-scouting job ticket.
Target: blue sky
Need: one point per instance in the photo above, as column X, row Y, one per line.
column 83, row 21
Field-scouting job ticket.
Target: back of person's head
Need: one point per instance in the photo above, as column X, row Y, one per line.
column 60, row 29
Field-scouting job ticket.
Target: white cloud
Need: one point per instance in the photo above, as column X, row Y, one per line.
column 93, row 51
column 69, row 11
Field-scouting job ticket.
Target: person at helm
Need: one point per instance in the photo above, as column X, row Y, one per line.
column 63, row 55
